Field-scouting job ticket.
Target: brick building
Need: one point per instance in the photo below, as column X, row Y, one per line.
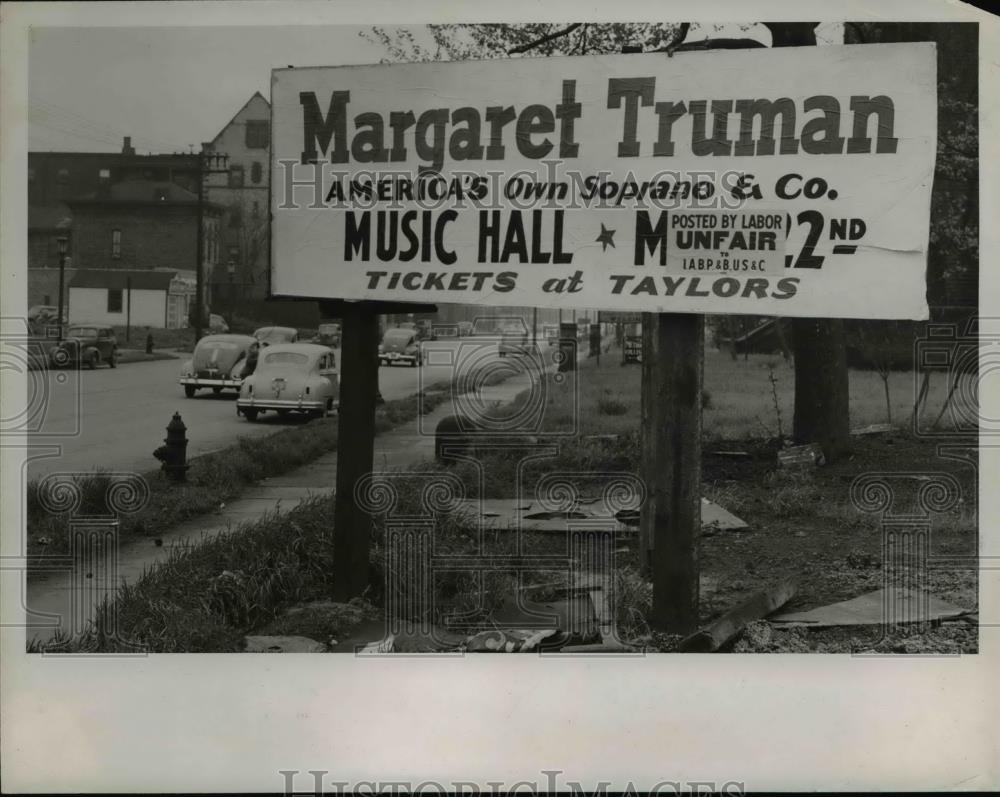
column 55, row 177
column 243, row 192
column 141, row 224
column 85, row 197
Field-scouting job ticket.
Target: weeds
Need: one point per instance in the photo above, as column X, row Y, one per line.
column 610, row 406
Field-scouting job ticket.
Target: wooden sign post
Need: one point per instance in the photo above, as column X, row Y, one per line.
column 672, row 372
column 352, row 525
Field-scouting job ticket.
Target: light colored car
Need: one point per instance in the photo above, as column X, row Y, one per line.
column 513, row 340
column 400, row 345
column 291, row 377
column 219, row 362
column 269, row 336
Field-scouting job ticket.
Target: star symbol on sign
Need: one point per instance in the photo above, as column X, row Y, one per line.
column 605, row 238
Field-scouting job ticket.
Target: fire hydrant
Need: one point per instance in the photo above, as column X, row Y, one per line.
column 173, row 454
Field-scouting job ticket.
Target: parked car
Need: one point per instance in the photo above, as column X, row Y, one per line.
column 291, row 377
column 86, row 344
column 269, row 336
column 217, row 324
column 328, row 335
column 513, row 340
column 219, row 362
column 464, row 329
column 400, row 345
column 425, row 329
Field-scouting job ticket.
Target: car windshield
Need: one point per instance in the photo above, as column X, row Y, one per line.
column 286, row 358
column 82, row 332
column 327, row 329
column 398, row 336
column 275, row 334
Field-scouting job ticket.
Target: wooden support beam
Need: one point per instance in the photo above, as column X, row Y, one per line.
column 352, row 526
column 760, row 605
column 672, row 374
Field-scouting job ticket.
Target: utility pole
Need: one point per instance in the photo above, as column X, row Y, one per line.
column 208, row 163
column 63, row 242
column 199, row 287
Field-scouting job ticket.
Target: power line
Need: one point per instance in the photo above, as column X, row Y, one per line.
column 90, row 129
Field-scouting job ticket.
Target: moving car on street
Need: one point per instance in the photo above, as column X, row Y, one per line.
column 400, row 345
column 269, row 336
column 328, row 335
column 291, row 377
column 513, row 340
column 219, row 362
column 86, row 344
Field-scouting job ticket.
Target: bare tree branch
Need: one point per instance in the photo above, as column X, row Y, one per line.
column 531, row 45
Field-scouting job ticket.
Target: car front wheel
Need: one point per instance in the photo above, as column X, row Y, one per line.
column 113, row 359
column 250, row 414
column 189, row 391
column 93, row 360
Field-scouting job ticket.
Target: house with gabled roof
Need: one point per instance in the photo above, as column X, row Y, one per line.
column 243, row 192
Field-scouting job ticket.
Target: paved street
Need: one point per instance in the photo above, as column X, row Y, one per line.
column 125, row 410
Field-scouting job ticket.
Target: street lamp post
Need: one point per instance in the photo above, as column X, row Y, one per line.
column 63, row 243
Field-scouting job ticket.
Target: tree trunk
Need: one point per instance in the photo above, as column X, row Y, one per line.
column 821, row 386
column 822, row 407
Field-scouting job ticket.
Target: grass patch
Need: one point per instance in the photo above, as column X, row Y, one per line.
column 207, row 597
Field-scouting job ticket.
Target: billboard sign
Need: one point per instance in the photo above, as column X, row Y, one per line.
column 792, row 181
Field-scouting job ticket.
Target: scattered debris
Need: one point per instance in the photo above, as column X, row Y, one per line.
column 282, row 644
column 710, row 639
column 799, row 456
column 509, row 513
column 875, row 428
column 761, row 637
column 575, row 615
column 889, row 606
column 511, row 640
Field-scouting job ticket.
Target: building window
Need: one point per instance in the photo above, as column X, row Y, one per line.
column 256, row 172
column 62, row 176
column 235, row 176
column 257, row 134
column 116, row 244
column 255, row 213
column 104, row 174
column 46, row 299
column 114, row 300
column 235, row 216
column 31, row 175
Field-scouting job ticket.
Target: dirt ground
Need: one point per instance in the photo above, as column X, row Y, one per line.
column 804, row 526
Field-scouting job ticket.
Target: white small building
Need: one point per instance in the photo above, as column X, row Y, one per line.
column 158, row 299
